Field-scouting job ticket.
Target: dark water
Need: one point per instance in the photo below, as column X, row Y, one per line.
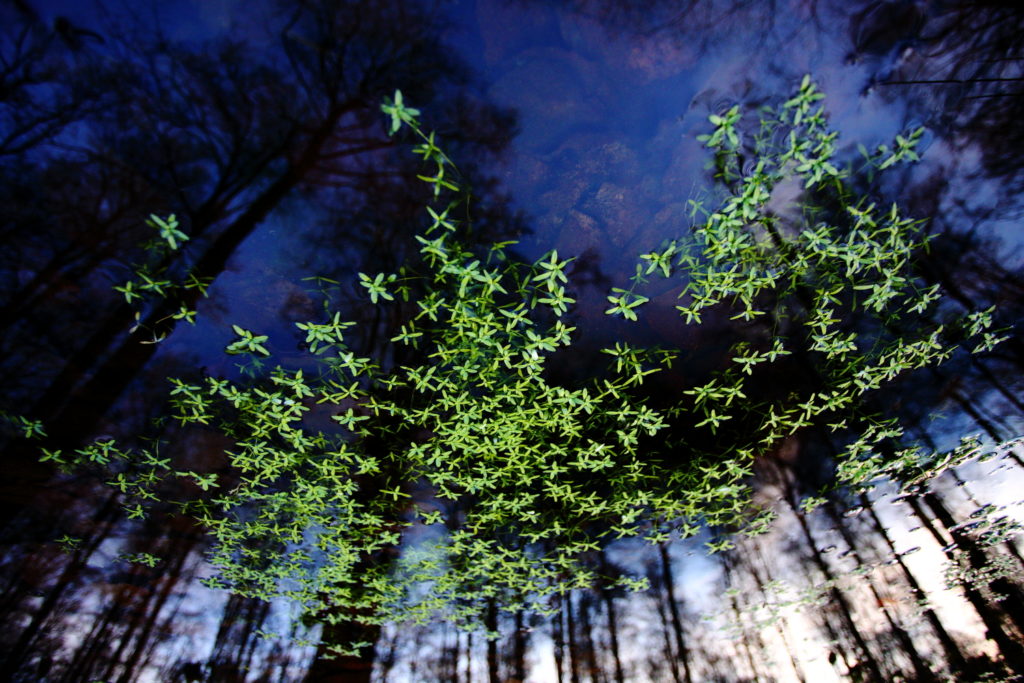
column 576, row 124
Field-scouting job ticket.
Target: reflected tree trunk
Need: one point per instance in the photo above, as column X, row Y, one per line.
column 737, row 615
column 613, row 623
column 78, row 397
column 558, row 635
column 570, row 629
column 782, row 626
column 586, row 604
column 330, row 668
column 1014, row 603
column 656, row 578
column 673, row 609
column 446, row 666
column 978, row 363
column 105, row 518
column 170, row 577
column 1011, row 649
column 86, row 657
column 866, row 658
column 386, row 655
column 994, row 431
column 518, row 653
column 954, row 656
column 493, row 672
column 961, row 485
column 921, row 670
column 235, row 642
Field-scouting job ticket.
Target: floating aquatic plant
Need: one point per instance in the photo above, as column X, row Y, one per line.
column 511, row 478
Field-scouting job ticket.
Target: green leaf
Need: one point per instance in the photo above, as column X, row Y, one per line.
column 399, row 113
column 168, row 229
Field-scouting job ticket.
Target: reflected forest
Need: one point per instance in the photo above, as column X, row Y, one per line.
column 511, row 340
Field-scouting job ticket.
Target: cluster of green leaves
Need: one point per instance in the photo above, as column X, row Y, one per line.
column 497, row 481
column 830, row 295
column 526, row 476
column 152, row 280
column 21, row 426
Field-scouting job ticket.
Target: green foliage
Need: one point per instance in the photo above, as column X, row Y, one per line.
column 153, row 281
column 377, row 287
column 22, row 426
column 68, row 544
column 400, row 114
column 834, row 289
column 495, row 481
column 146, row 559
column 168, row 230
column 247, row 343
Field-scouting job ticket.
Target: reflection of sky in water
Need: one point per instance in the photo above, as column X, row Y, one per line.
column 604, row 162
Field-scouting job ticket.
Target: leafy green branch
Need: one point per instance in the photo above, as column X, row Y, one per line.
column 527, row 477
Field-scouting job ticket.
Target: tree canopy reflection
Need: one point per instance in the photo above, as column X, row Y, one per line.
column 442, row 454
column 502, row 484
